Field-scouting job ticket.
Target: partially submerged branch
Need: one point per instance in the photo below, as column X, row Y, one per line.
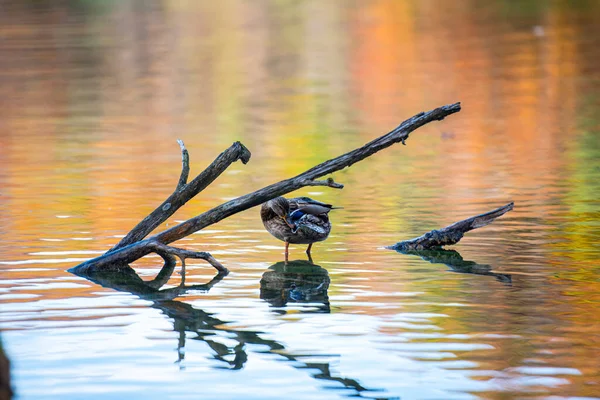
column 451, row 234
column 133, row 247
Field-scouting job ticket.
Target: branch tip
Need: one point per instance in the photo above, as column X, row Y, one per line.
column 185, row 166
column 244, row 153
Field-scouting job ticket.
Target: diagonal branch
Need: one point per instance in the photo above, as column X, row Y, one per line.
column 400, row 134
column 451, row 234
column 133, row 247
column 185, row 166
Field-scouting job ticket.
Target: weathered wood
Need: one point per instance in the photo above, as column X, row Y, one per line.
column 451, row 234
column 132, row 247
column 453, row 260
column 307, row 178
column 185, row 191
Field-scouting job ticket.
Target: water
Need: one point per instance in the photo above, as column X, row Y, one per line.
column 95, row 95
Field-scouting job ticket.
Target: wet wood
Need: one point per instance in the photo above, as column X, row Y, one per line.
column 134, row 246
column 451, row 234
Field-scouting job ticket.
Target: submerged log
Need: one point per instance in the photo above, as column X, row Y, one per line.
column 451, row 234
column 133, row 246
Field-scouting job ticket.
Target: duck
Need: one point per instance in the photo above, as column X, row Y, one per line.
column 300, row 220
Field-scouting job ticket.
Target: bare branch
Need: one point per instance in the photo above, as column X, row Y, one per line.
column 185, row 166
column 452, row 233
column 183, row 254
column 289, row 185
column 133, row 247
column 182, row 195
column 137, row 250
column 329, row 182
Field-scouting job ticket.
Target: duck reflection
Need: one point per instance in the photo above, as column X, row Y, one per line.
column 297, row 281
column 456, row 263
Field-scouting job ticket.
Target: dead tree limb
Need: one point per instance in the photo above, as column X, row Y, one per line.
column 185, row 191
column 451, row 234
column 132, row 247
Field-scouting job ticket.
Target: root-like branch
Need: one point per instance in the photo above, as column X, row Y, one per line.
column 138, row 250
column 183, row 254
column 452, row 233
column 289, row 185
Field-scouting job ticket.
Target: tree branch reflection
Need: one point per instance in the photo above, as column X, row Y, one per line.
column 299, row 281
column 456, row 263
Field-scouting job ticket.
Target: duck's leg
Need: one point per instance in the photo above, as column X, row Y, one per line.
column 287, row 244
column 308, row 252
column 182, row 272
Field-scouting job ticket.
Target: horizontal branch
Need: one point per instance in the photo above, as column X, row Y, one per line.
column 452, row 233
column 128, row 254
column 185, row 166
column 329, row 182
column 184, row 254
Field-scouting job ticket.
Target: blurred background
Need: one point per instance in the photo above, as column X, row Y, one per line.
column 94, row 95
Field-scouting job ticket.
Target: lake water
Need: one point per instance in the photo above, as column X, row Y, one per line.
column 95, row 94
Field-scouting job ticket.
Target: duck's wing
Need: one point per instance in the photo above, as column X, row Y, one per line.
column 316, row 223
column 310, row 206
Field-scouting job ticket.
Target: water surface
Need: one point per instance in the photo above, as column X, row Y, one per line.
column 95, row 94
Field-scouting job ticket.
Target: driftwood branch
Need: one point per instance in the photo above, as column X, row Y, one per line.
column 451, row 234
column 133, row 247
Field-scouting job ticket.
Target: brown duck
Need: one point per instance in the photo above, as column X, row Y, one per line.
column 300, row 220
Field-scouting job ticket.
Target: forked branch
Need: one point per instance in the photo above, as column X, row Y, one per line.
column 132, row 246
column 185, row 166
column 185, row 191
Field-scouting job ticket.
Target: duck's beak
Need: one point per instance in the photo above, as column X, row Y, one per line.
column 287, row 223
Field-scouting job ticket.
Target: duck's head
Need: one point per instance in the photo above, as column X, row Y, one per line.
column 280, row 207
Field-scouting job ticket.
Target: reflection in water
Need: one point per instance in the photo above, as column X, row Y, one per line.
column 297, row 281
column 96, row 92
column 454, row 260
